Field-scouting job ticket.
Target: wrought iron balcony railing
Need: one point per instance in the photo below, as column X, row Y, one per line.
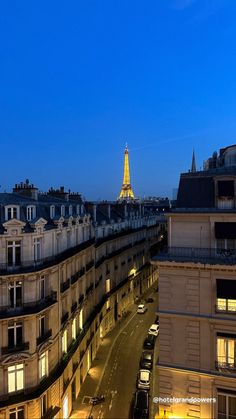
column 196, row 254
column 64, row 318
column 44, row 337
column 24, row 346
column 226, row 366
column 29, row 308
column 65, row 285
column 32, row 265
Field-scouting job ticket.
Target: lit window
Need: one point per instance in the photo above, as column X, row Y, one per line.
column 226, row 305
column 226, row 352
column 52, row 211
column 15, row 378
column 108, row 285
column 31, row 213
column 17, row 413
column 74, row 328
column 43, row 365
column 64, row 342
column 81, row 319
column 14, row 253
column 43, row 405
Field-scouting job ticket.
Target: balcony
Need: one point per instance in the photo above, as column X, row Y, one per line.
column 197, row 255
column 89, row 289
column 32, row 265
column 44, row 337
column 65, row 285
column 29, row 308
column 81, row 298
column 226, row 366
column 81, row 272
column 89, row 265
column 64, row 318
column 74, row 278
column 74, row 307
column 17, row 348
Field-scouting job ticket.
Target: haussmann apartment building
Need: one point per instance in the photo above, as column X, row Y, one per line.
column 68, row 270
column 197, row 294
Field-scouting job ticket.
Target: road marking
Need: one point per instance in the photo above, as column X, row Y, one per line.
column 109, row 354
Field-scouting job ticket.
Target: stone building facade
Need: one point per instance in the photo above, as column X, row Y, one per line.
column 197, row 295
column 68, row 270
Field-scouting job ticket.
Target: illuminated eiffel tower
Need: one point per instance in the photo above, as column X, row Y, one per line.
column 126, row 190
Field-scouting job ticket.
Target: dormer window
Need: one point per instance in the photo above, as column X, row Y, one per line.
column 63, row 210
column 77, row 210
column 70, row 210
column 12, row 212
column 225, row 194
column 31, row 212
column 52, row 211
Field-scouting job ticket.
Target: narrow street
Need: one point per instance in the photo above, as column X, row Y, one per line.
column 118, row 383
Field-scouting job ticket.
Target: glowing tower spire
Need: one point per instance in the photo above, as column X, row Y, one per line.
column 126, row 190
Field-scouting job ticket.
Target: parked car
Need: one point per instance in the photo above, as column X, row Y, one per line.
column 149, row 342
column 141, row 309
column 143, row 380
column 154, row 330
column 141, row 405
column 146, row 360
column 149, row 300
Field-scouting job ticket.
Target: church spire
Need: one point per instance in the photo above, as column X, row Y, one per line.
column 126, row 190
column 193, row 166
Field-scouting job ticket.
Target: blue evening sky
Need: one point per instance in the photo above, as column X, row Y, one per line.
column 80, row 78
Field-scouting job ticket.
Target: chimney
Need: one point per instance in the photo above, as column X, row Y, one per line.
column 95, row 213
column 109, row 211
column 26, row 189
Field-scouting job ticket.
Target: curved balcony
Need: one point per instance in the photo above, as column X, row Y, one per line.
column 29, row 308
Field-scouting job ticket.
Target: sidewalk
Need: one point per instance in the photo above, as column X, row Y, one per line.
column 90, row 386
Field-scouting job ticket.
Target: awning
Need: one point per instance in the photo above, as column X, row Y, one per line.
column 225, row 230
column 226, row 188
column 226, row 288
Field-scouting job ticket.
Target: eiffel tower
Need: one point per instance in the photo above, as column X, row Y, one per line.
column 126, row 190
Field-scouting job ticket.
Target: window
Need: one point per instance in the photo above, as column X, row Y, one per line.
column 17, row 413
column 74, row 328
column 77, row 209
column 108, row 285
column 64, row 342
column 226, row 406
column 15, row 294
column 43, row 405
column 15, row 378
column 11, row 212
column 43, row 365
column 14, row 253
column 14, row 334
column 70, row 210
column 41, row 325
column 226, row 295
column 52, row 211
column 226, row 351
column 30, row 213
column 81, row 319
column 37, row 249
column 68, row 239
column 42, row 287
column 225, row 247
column 63, row 210
column 225, row 203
